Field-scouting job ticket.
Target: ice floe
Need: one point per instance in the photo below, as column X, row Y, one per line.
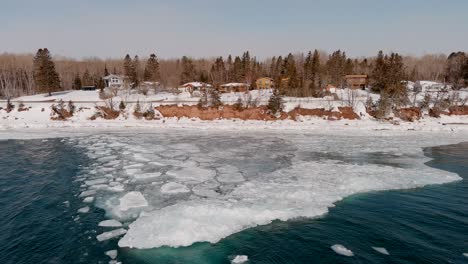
column 112, row 254
column 182, row 189
column 83, row 210
column 111, row 234
column 132, row 200
column 240, row 259
column 110, row 223
column 173, row 188
column 381, row 250
column 342, row 250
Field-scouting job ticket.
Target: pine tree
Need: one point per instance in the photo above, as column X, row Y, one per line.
column 188, row 70
column 378, row 73
column 275, row 103
column 246, row 67
column 237, row 70
column 135, row 77
column 151, row 73
column 229, row 67
column 215, row 98
column 127, row 65
column 289, row 71
column 76, row 82
column 218, row 72
column 45, row 75
column 106, row 72
column 87, row 79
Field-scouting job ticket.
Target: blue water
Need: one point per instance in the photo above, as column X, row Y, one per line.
column 39, row 208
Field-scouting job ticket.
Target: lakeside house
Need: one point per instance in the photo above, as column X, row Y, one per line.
column 234, row 87
column 194, row 88
column 357, row 81
column 265, row 83
column 428, row 86
column 113, row 81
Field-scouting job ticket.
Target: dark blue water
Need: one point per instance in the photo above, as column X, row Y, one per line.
column 38, row 205
column 426, row 225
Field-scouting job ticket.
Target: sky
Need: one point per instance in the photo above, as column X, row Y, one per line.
column 208, row 28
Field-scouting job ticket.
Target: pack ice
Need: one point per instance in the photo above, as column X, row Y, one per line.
column 177, row 188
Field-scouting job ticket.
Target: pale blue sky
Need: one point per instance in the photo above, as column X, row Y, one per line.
column 200, row 28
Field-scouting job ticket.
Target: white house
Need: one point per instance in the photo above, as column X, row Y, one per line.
column 114, row 81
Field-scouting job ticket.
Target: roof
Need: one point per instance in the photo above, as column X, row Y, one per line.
column 196, row 84
column 356, row 76
column 234, row 84
column 113, row 76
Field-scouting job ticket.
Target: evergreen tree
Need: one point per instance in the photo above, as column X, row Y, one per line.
column 237, row 70
column 378, row 73
column 76, row 82
column 128, row 66
column 88, row 80
column 246, row 67
column 275, row 103
column 289, row 72
column 215, row 98
column 229, row 66
column 188, row 70
column 336, row 68
column 106, row 72
column 135, row 77
column 151, row 73
column 45, row 75
column 218, row 72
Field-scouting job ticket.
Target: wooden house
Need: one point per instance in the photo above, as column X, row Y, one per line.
column 265, row 83
column 357, row 81
column 234, row 87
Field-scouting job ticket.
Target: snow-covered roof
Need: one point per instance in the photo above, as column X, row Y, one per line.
column 196, row 84
column 113, row 76
column 233, row 84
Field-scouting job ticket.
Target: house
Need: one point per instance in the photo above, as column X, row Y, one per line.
column 113, row 81
column 234, row 87
column 428, row 86
column 194, row 88
column 357, row 81
column 265, row 83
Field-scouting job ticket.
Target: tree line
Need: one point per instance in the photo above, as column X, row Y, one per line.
column 295, row 74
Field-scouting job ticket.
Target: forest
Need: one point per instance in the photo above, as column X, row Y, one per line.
column 306, row 73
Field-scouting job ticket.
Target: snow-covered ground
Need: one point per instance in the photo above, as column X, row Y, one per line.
column 175, row 188
column 39, row 113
